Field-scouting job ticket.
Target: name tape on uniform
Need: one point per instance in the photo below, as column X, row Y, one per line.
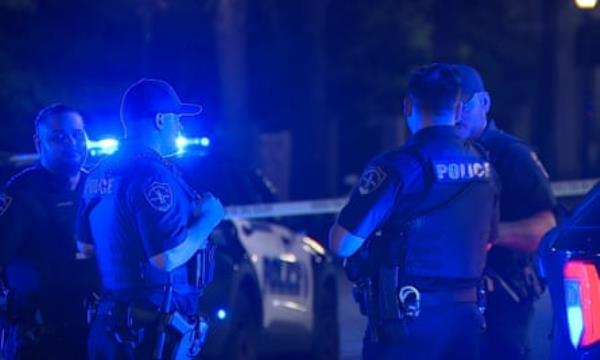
column 569, row 188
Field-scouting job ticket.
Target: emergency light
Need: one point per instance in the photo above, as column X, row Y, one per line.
column 103, row 147
column 109, row 146
column 183, row 143
column 582, row 300
column 221, row 314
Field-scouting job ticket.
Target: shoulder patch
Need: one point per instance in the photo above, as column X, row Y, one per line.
column 5, row 202
column 160, row 196
column 371, row 179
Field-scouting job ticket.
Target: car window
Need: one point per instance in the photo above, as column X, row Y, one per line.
column 587, row 213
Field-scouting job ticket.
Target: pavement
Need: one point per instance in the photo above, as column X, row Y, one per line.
column 352, row 324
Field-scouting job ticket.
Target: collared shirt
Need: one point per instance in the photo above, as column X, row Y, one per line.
column 526, row 186
column 37, row 243
column 525, row 191
column 135, row 207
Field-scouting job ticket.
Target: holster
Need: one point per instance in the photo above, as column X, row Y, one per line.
column 389, row 305
column 201, row 267
column 127, row 321
column 364, row 295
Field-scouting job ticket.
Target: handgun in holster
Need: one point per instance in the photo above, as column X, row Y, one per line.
column 201, row 267
column 363, row 292
column 389, row 303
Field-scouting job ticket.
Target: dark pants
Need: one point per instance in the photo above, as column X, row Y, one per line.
column 507, row 333
column 450, row 331
column 103, row 344
column 62, row 334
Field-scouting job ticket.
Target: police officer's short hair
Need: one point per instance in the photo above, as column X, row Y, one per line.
column 434, row 88
column 52, row 110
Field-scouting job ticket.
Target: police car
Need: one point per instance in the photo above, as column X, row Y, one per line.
column 274, row 291
column 570, row 263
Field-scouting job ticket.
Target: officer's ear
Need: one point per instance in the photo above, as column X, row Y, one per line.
column 159, row 120
column 486, row 101
column 408, row 107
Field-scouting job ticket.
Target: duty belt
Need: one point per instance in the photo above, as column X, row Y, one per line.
column 446, row 296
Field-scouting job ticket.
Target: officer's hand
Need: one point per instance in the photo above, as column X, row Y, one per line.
column 210, row 209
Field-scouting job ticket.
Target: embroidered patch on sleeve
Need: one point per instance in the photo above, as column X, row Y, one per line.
column 371, row 179
column 159, row 196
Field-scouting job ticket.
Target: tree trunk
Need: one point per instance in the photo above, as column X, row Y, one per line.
column 230, row 23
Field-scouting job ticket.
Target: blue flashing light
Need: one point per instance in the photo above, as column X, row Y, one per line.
column 183, row 143
column 106, row 146
column 221, row 314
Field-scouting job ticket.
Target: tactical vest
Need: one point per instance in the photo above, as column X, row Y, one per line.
column 429, row 240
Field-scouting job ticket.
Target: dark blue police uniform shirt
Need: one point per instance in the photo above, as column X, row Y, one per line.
column 395, row 180
column 37, row 243
column 525, row 184
column 135, row 207
column 525, row 191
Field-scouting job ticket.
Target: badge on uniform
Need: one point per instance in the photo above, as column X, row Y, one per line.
column 5, row 202
column 159, row 196
column 371, row 179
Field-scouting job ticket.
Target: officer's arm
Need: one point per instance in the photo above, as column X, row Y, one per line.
column 369, row 206
column 85, row 244
column 525, row 235
column 342, row 242
column 210, row 214
column 529, row 184
column 13, row 225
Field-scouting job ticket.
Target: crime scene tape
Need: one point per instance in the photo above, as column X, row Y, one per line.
column 570, row 188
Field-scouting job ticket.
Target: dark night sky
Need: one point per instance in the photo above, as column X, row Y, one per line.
column 308, row 64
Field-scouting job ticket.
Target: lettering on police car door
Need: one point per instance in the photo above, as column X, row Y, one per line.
column 282, row 277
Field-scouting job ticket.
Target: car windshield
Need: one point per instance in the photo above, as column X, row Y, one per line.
column 587, row 213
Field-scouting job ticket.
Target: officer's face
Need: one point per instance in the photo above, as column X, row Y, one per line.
column 170, row 130
column 474, row 116
column 61, row 143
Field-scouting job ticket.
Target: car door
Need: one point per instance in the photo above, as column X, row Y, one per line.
column 283, row 266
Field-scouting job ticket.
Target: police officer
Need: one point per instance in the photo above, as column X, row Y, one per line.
column 144, row 224
column 426, row 212
column 526, row 204
column 46, row 283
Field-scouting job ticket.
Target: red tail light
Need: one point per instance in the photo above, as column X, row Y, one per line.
column 582, row 295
